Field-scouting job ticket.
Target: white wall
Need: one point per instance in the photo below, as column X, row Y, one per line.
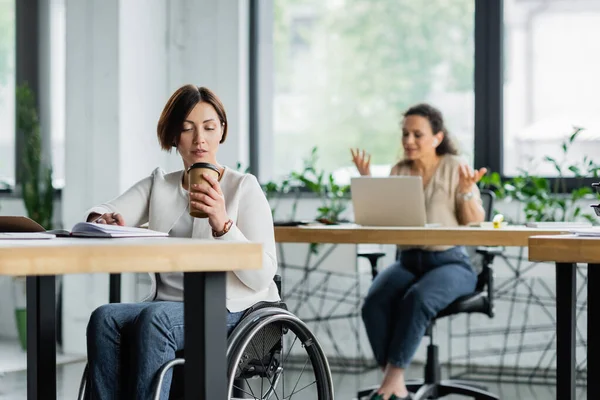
column 124, row 59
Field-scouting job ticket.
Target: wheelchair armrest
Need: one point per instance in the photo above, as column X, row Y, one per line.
column 264, row 304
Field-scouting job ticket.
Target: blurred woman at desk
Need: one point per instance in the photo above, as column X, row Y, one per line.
column 424, row 280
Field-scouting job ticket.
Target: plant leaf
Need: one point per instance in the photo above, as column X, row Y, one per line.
column 575, row 134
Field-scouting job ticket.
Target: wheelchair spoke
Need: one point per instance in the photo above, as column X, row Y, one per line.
column 275, row 389
column 290, row 350
column 242, row 390
column 285, row 359
column 298, row 381
column 297, row 391
column 247, row 383
column 260, row 357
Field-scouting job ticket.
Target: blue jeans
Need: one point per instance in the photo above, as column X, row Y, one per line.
column 405, row 297
column 127, row 343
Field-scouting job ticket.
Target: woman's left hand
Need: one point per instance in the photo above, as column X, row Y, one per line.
column 467, row 178
column 210, row 200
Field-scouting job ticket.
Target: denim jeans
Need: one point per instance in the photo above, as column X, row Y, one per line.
column 405, row 297
column 127, row 343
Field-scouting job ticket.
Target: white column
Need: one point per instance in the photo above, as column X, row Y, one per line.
column 124, row 59
column 208, row 46
column 266, row 79
column 144, row 65
column 45, row 77
column 92, row 161
column 92, row 106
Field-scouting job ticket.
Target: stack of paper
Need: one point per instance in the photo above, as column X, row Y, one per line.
column 589, row 232
column 559, row 225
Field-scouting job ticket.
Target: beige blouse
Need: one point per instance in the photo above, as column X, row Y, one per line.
column 441, row 194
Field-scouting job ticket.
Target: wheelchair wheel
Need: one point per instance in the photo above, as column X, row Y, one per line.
column 273, row 355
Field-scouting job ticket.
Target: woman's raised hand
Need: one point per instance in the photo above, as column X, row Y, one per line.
column 362, row 160
column 468, row 177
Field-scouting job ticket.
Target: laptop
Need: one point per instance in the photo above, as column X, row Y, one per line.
column 388, row 201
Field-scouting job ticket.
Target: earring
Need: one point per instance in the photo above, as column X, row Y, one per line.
column 435, row 142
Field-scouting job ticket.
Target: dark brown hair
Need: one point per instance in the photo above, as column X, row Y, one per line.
column 178, row 108
column 436, row 120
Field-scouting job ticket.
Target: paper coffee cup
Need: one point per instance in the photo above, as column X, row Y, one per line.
column 195, row 178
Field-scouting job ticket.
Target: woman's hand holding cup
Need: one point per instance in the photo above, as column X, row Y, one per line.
column 209, row 200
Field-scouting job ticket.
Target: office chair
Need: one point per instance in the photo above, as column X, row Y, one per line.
column 480, row 301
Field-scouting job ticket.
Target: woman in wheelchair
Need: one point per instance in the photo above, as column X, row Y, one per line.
column 128, row 343
column 424, row 280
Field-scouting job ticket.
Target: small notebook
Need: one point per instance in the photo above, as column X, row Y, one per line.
column 25, row 235
column 88, row 229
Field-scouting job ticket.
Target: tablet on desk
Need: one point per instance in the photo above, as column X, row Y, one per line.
column 388, row 201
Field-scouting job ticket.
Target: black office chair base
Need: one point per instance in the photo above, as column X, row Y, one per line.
column 425, row 391
column 364, row 393
column 417, row 383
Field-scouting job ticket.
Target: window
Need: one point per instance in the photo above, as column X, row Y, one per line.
column 7, row 92
column 551, row 82
column 345, row 70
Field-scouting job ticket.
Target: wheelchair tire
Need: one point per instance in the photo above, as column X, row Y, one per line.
column 275, row 327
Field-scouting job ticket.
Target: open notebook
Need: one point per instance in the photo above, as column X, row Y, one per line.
column 88, row 229
column 19, row 227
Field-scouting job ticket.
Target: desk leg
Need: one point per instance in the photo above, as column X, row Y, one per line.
column 205, row 371
column 565, row 329
column 114, row 288
column 593, row 347
column 41, row 338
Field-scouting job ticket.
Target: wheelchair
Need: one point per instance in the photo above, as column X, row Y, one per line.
column 271, row 354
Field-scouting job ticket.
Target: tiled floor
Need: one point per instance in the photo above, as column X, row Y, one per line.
column 15, row 359
column 13, row 386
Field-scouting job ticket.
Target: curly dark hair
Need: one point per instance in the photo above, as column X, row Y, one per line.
column 436, row 120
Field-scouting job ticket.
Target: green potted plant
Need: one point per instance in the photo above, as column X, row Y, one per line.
column 35, row 178
column 334, row 197
column 36, row 187
column 273, row 191
column 545, row 201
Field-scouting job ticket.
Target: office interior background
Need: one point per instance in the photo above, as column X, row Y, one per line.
column 513, row 78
